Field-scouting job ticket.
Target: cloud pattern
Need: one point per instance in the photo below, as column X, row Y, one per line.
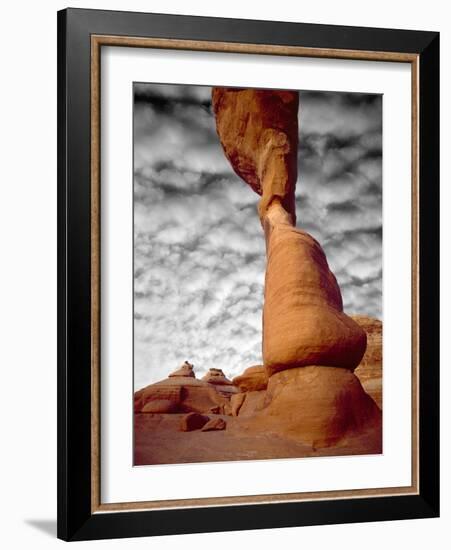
column 199, row 255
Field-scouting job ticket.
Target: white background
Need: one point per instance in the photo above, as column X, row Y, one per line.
column 28, row 275
column 119, row 481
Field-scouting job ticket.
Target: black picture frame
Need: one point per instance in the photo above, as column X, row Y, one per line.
column 76, row 519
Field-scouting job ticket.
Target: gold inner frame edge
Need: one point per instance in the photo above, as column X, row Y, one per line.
column 97, row 41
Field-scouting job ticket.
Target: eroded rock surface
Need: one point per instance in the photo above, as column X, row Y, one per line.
column 303, row 318
column 185, row 370
column 214, row 424
column 254, row 378
column 217, row 376
column 179, row 394
column 317, row 405
column 258, row 130
column 369, row 370
column 193, row 421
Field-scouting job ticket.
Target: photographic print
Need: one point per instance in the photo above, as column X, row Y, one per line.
column 257, row 273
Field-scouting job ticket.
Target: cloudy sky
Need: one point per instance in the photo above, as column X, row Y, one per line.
column 199, row 255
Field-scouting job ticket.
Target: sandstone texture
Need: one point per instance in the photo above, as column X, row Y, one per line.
column 216, row 376
column 258, row 130
column 193, row 421
column 253, row 379
column 253, row 401
column 223, row 385
column 369, row 370
column 185, row 370
column 236, row 402
column 214, row 424
column 303, row 318
column 179, row 394
column 318, row 405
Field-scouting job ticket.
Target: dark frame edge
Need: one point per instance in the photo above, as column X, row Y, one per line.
column 429, row 273
column 62, row 496
column 133, row 524
column 73, row 285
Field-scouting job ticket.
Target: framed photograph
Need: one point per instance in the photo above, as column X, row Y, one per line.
column 248, row 274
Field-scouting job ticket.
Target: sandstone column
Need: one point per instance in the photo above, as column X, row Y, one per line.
column 304, row 326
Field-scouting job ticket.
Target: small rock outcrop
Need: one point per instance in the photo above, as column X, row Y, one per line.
column 254, row 378
column 221, row 383
column 193, row 421
column 217, row 376
column 214, row 424
column 177, row 395
column 185, row 370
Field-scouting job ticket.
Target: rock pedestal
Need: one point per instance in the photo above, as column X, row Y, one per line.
column 319, row 405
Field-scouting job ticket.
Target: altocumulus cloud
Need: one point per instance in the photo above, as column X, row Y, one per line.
column 199, row 254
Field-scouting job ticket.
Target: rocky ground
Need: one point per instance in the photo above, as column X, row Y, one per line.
column 158, row 440
column 160, row 437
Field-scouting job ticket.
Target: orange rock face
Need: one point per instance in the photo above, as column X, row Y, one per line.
column 253, row 379
column 186, row 369
column 193, row 421
column 216, row 376
column 369, row 370
column 259, row 133
column 178, row 394
column 319, row 406
column 222, row 385
column 214, row 425
column 303, row 319
column 253, row 402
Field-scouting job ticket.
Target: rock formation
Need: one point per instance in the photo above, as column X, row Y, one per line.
column 186, row 369
column 193, row 421
column 223, row 385
column 303, row 320
column 247, row 403
column 270, row 418
column 316, row 404
column 183, row 392
column 259, row 133
column 253, row 378
column 217, row 376
column 214, row 425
